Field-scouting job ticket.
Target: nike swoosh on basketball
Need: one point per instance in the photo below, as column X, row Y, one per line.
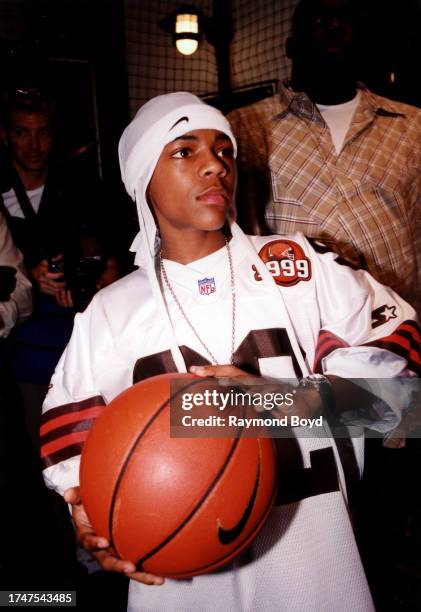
column 226, row 536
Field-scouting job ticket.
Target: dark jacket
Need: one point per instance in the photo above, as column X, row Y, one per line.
column 70, row 221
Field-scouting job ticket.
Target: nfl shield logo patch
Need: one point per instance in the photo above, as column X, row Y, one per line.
column 206, row 286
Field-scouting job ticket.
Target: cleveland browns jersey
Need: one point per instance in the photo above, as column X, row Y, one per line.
column 345, row 323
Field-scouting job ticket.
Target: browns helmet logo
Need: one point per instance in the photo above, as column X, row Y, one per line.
column 286, row 262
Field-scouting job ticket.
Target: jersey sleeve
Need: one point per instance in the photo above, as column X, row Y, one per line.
column 73, row 401
column 368, row 334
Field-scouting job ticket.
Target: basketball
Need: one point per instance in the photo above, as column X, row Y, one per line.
column 176, row 507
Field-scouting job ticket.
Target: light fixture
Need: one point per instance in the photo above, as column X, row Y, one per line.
column 188, row 25
column 185, row 24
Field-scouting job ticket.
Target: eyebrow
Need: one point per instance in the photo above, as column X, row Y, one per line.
column 26, row 127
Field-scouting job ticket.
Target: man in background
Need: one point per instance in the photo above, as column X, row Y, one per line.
column 58, row 218
column 329, row 158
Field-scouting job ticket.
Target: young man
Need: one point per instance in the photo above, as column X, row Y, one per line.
column 280, row 308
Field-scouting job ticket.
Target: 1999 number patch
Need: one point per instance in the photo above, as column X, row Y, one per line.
column 286, row 262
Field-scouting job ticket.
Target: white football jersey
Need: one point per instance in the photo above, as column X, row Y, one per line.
column 344, row 323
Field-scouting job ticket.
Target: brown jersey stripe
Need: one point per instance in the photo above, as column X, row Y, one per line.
column 415, row 344
column 69, row 428
column 72, row 417
column 414, row 327
column 89, row 402
column 329, row 345
column 411, row 331
column 77, row 437
column 406, row 334
column 62, row 455
column 327, row 342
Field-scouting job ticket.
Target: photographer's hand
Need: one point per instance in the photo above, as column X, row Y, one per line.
column 64, row 298
column 52, row 283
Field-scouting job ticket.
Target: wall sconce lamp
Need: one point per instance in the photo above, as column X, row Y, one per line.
column 186, row 24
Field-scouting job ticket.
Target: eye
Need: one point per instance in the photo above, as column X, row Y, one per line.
column 226, row 152
column 45, row 132
column 181, row 153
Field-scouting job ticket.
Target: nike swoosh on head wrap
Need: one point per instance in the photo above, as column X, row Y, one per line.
column 157, row 123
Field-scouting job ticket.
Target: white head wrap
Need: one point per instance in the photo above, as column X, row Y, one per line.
column 157, row 123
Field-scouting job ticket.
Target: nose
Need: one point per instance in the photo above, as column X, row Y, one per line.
column 335, row 23
column 34, row 141
column 212, row 164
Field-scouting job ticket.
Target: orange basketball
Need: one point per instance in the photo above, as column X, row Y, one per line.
column 176, row 507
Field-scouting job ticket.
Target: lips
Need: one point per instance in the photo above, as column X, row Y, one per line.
column 214, row 195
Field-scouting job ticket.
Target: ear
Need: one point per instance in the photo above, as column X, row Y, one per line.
column 289, row 47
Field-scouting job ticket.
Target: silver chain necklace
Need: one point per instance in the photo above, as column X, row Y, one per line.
column 190, row 324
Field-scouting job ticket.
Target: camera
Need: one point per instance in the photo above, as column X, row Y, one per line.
column 82, row 277
column 56, row 266
column 81, row 274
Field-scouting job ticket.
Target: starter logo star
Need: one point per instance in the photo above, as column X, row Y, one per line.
column 382, row 315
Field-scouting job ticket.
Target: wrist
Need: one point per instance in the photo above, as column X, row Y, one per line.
column 323, row 385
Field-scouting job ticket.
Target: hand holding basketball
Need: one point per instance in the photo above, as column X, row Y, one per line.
column 307, row 401
column 175, row 506
column 216, row 371
column 99, row 546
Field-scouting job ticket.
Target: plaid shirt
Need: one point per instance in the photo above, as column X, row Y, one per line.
column 364, row 203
